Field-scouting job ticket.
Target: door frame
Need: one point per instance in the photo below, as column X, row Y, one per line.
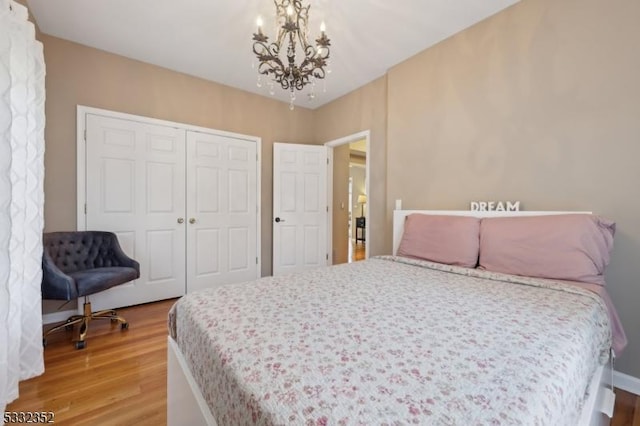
column 81, row 185
column 366, row 135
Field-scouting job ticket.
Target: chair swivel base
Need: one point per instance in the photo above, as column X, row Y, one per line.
column 84, row 320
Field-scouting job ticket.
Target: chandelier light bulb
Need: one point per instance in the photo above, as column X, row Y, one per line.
column 289, row 10
column 323, row 27
column 259, row 22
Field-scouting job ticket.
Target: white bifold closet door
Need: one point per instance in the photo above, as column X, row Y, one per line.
column 183, row 204
column 221, row 209
column 136, row 188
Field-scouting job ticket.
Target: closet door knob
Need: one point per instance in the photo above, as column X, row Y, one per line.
column 180, row 220
column 192, row 220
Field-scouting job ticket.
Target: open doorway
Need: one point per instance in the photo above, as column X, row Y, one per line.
column 348, row 197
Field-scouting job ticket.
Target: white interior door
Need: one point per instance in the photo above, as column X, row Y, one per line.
column 135, row 180
column 299, row 207
column 222, row 210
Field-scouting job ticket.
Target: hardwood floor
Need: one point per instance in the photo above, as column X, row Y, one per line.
column 357, row 251
column 120, row 378
column 627, row 409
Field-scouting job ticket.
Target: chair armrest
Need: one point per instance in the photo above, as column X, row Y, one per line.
column 122, row 258
column 55, row 283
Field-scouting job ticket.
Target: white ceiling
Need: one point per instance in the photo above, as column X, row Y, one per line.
column 211, row 39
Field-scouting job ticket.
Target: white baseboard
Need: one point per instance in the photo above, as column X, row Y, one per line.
column 58, row 316
column 626, row 382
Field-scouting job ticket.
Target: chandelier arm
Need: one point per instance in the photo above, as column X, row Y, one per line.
column 281, row 35
column 274, row 66
column 309, row 54
column 314, row 62
column 267, row 53
column 270, row 62
column 280, row 77
column 301, row 83
column 319, row 73
column 303, row 25
column 261, row 48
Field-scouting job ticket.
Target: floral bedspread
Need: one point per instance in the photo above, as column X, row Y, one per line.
column 393, row 341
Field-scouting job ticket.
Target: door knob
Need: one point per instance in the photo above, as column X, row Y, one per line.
column 180, row 220
column 278, row 220
column 192, row 220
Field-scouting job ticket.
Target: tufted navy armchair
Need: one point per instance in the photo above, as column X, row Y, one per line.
column 78, row 264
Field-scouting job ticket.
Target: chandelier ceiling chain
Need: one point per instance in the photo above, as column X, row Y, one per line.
column 292, row 21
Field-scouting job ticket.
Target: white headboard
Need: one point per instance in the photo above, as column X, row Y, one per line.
column 400, row 215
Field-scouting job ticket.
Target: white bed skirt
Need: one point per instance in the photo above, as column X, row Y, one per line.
column 187, row 406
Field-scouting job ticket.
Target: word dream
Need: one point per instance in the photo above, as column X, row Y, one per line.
column 495, row 206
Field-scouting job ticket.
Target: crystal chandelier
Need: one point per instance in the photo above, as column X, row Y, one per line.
column 292, row 19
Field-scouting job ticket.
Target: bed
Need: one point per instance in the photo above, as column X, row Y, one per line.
column 397, row 340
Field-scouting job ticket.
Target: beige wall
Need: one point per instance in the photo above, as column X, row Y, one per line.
column 363, row 109
column 540, row 103
column 80, row 75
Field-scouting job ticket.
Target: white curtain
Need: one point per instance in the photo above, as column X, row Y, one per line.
column 21, row 199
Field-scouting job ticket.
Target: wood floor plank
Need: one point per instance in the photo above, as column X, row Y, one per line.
column 120, row 378
column 636, row 413
column 624, row 408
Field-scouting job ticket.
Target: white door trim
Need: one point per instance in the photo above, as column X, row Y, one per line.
column 81, row 187
column 366, row 135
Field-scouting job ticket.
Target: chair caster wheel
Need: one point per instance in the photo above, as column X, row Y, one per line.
column 44, row 343
column 124, row 326
column 81, row 345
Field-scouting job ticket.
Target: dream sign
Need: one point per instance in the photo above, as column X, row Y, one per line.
column 497, row 206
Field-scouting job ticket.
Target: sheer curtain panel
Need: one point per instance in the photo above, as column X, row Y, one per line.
column 21, row 199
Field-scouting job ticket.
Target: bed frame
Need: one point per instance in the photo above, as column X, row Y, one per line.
column 186, row 405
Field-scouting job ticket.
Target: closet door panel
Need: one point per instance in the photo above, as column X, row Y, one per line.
column 207, row 247
column 222, row 210
column 135, row 180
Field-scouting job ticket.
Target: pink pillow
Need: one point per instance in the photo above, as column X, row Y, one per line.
column 453, row 240
column 572, row 247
